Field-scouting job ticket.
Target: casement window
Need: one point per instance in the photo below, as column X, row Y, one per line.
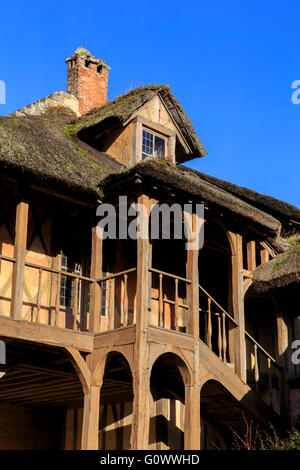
column 67, row 282
column 153, row 145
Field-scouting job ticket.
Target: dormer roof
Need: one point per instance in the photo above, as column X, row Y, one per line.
column 117, row 112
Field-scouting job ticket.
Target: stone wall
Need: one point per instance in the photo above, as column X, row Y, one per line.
column 57, row 99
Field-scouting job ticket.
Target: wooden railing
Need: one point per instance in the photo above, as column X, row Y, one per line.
column 66, row 297
column 43, row 299
column 117, row 299
column 216, row 326
column 62, row 299
column 264, row 374
column 169, row 308
column 217, row 331
column 44, row 302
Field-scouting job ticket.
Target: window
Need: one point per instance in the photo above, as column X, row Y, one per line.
column 66, row 282
column 153, row 145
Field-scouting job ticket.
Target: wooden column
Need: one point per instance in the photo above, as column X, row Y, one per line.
column 251, row 255
column 96, row 272
column 141, row 376
column 192, row 273
column 283, row 347
column 19, row 254
column 192, row 423
column 69, row 429
column 90, row 422
column 238, row 305
column 192, row 426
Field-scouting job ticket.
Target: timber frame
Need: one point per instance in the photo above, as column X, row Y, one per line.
column 206, row 342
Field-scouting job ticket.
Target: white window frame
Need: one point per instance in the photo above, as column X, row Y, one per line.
column 161, row 131
column 154, row 134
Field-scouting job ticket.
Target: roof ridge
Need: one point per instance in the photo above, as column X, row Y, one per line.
column 269, row 203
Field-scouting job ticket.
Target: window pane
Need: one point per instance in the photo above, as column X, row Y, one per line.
column 159, row 147
column 147, row 144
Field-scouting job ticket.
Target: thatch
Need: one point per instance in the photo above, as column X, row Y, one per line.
column 46, row 149
column 279, row 209
column 119, row 111
column 38, row 147
column 160, row 172
column 281, row 271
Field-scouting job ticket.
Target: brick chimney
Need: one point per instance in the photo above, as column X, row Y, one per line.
column 87, row 79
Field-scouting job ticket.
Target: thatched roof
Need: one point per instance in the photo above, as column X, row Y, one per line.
column 119, row 111
column 281, row 271
column 38, row 147
column 46, row 149
column 279, row 209
column 160, row 172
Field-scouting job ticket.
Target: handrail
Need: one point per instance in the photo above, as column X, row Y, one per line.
column 112, row 276
column 263, row 350
column 50, row 270
column 236, row 324
column 171, row 302
column 8, row 258
column 57, row 271
column 218, row 305
column 153, row 270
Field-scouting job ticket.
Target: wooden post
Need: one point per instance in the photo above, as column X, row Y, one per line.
column 219, row 337
column 54, row 295
column 238, row 304
column 224, row 340
column 270, row 387
column 192, row 425
column 282, row 348
column 57, row 299
column 192, row 392
column 256, row 368
column 19, row 265
column 69, row 429
column 96, row 272
column 251, row 255
column 90, row 422
column 141, row 376
column 264, row 256
column 192, row 273
column 209, row 324
column 39, row 297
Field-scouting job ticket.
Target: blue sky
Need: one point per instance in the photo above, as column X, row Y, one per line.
column 231, row 65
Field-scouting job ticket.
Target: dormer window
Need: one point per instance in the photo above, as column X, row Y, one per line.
column 153, row 145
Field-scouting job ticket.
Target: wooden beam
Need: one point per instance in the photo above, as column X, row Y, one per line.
column 264, row 256
column 90, row 422
column 192, row 425
column 96, row 273
column 141, row 373
column 282, row 348
column 45, row 334
column 81, row 368
column 251, row 255
column 19, row 265
column 238, row 302
column 62, row 195
column 192, row 273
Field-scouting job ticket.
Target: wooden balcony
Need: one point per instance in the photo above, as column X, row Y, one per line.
column 168, row 309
